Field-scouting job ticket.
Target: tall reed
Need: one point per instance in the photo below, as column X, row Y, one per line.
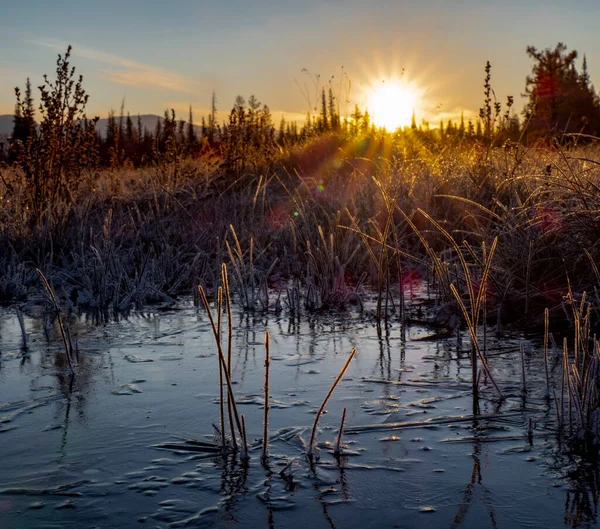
column 225, row 281
column 311, row 449
column 218, row 338
column 475, row 299
column 265, row 448
column 581, row 375
column 244, row 450
column 337, row 450
column 64, row 331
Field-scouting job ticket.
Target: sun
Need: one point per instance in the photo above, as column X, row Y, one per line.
column 391, row 105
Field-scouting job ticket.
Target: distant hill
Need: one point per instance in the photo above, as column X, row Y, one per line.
column 148, row 122
column 6, row 125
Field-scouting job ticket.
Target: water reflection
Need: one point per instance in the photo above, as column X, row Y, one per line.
column 429, row 374
column 583, row 496
column 234, row 476
column 475, row 482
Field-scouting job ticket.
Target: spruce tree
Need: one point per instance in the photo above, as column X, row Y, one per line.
column 191, row 138
column 129, row 130
column 560, row 98
column 212, row 120
column 282, row 128
column 24, row 126
column 323, row 125
column 334, row 121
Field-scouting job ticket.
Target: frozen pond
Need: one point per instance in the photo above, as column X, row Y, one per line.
column 80, row 451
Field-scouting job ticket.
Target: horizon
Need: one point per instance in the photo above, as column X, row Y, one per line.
column 284, row 53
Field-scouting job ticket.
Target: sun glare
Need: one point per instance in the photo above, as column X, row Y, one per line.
column 391, row 105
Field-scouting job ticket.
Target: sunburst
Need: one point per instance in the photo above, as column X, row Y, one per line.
column 391, row 105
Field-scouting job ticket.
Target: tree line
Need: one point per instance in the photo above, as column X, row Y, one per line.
column 560, row 99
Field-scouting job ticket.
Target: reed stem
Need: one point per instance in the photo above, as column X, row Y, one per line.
column 221, row 395
column 244, row 454
column 222, row 360
column 225, row 281
column 546, row 332
column 265, row 450
column 523, row 377
column 338, row 443
column 313, row 435
column 66, row 340
column 24, row 345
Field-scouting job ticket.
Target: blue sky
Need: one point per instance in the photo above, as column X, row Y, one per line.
column 159, row 54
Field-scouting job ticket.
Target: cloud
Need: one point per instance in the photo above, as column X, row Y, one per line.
column 130, row 73
column 151, row 77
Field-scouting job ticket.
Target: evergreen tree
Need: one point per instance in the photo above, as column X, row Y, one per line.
column 212, row 120
column 129, row 145
column 111, row 143
column 470, row 129
column 366, row 120
column 334, row 119
column 323, row 125
column 252, row 133
column 461, row 127
column 191, row 138
column 158, row 137
column 560, row 99
column 140, row 130
column 356, row 118
column 129, row 130
column 281, row 136
column 584, row 78
column 307, row 129
column 203, row 128
column 24, row 126
column 122, row 125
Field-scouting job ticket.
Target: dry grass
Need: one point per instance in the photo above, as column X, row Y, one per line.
column 511, row 231
column 329, row 219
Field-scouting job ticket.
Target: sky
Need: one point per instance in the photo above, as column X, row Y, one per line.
column 156, row 54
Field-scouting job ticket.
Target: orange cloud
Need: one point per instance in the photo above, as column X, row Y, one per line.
column 130, row 73
column 151, row 77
